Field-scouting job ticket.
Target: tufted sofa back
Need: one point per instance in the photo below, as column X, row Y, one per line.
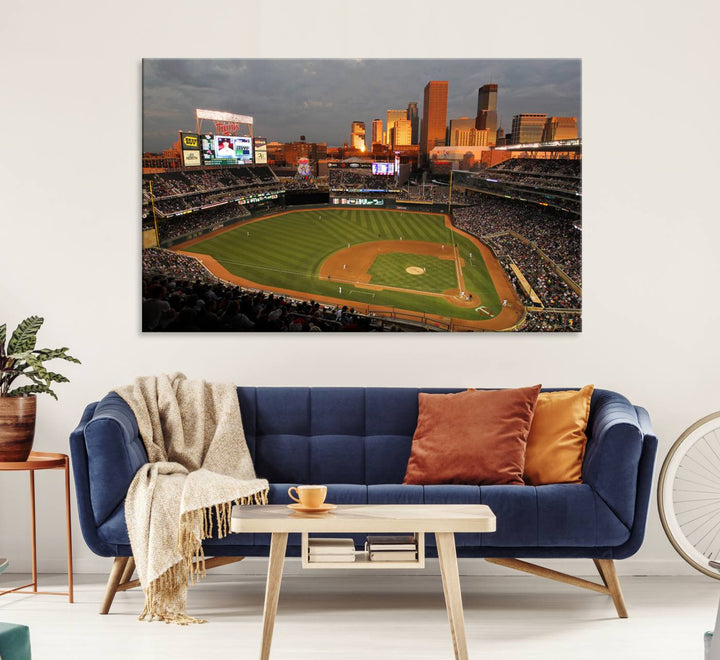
column 330, row 434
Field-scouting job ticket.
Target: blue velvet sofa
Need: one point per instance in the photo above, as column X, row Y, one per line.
column 358, row 440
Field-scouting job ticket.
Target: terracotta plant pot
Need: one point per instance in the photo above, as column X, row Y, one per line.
column 17, row 427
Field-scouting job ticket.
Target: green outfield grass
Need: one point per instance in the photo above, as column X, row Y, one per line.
column 286, row 251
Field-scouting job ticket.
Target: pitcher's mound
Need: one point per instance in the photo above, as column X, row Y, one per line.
column 414, row 270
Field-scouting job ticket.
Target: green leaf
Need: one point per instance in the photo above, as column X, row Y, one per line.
column 45, row 354
column 3, row 335
column 25, row 336
column 56, row 378
column 37, row 367
column 30, row 389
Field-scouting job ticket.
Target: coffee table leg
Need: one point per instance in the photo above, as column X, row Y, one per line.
column 278, row 544
column 451, row 586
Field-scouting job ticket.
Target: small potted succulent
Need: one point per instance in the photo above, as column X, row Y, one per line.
column 19, row 359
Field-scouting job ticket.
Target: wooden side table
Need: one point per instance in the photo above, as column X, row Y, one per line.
column 39, row 460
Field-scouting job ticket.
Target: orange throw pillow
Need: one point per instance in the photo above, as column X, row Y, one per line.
column 556, row 443
column 471, row 437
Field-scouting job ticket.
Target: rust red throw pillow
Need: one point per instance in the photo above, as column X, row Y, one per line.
column 473, row 437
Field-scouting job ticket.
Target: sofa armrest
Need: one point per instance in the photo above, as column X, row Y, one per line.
column 614, row 448
column 78, row 455
column 114, row 454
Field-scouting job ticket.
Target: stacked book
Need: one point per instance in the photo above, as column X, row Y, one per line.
column 331, row 550
column 391, row 548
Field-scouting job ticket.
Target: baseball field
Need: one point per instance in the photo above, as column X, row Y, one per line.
column 367, row 259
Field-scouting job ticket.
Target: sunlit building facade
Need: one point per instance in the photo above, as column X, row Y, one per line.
column 528, row 127
column 377, row 131
column 392, row 117
column 357, row 135
column 560, row 128
column 434, row 117
column 401, row 133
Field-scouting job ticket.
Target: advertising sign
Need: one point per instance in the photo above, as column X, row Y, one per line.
column 260, row 145
column 191, row 158
column 189, row 141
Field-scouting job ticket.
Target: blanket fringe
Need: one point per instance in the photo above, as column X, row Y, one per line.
column 166, row 589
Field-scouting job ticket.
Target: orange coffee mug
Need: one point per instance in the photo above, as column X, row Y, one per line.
column 308, row 496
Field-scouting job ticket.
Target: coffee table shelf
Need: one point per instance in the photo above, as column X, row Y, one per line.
column 362, row 558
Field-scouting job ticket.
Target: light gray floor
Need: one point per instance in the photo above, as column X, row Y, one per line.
column 376, row 617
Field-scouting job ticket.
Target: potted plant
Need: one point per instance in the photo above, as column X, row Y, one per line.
column 18, row 405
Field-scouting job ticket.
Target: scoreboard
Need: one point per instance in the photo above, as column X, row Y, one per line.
column 383, row 169
column 358, row 201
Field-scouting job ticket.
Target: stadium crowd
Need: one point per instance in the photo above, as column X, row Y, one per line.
column 550, row 166
column 179, row 191
column 296, row 183
column 566, row 185
column 342, row 180
column 556, row 233
column 551, row 322
column 180, row 295
column 552, row 290
column 185, row 224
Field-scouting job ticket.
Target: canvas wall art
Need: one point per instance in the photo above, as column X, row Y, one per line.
column 380, row 195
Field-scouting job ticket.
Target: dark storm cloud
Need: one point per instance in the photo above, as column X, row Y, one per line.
column 320, row 98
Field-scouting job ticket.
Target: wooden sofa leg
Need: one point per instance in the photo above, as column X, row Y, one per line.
column 606, row 568
column 116, row 574
column 129, row 570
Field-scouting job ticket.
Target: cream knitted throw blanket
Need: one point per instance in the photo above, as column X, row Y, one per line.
column 199, row 467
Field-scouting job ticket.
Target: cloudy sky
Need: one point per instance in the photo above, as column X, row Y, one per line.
column 321, row 98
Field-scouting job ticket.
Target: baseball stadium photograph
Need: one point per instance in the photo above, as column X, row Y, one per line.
column 380, row 195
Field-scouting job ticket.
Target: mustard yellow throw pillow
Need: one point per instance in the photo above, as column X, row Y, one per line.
column 556, row 442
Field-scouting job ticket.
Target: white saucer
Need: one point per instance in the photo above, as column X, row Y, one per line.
column 320, row 509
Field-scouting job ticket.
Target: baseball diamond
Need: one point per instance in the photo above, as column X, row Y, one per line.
column 367, row 259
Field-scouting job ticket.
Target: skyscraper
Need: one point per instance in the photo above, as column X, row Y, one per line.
column 401, row 133
column 560, row 128
column 487, row 109
column 434, row 118
column 377, row 131
column 357, row 135
column 412, row 115
column 392, row 117
column 528, row 127
column 461, row 124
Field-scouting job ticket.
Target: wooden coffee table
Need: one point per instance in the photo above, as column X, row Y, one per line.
column 443, row 520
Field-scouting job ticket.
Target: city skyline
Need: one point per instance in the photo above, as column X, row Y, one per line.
column 320, row 98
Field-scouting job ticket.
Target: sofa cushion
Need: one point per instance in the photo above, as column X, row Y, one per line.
column 473, row 437
column 556, row 442
column 557, row 516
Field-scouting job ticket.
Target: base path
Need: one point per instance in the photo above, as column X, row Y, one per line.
column 352, row 266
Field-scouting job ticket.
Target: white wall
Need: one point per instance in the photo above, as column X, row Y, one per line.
column 69, row 235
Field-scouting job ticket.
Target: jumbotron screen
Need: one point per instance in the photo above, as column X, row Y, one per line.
column 227, row 148
column 387, row 169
